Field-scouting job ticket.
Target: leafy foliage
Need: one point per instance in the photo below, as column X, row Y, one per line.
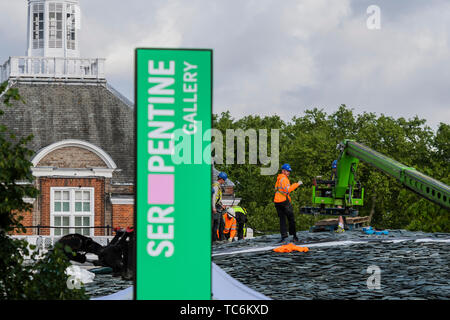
column 14, row 168
column 309, row 142
column 24, row 274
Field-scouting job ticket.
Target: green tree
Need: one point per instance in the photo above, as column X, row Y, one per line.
column 14, row 167
column 23, row 273
column 309, row 142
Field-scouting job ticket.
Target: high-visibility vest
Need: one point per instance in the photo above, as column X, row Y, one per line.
column 219, row 192
column 333, row 176
column 230, row 226
column 282, row 188
column 240, row 209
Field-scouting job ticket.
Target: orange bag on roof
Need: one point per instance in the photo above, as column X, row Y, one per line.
column 291, row 247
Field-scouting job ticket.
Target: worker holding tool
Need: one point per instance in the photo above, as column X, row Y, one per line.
column 230, row 227
column 283, row 204
column 217, row 206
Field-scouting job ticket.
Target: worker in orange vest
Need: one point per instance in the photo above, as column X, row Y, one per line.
column 230, row 228
column 283, row 204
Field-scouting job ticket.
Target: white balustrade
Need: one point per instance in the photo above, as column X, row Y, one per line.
column 53, row 68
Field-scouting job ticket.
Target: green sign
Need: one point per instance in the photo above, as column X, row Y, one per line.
column 173, row 174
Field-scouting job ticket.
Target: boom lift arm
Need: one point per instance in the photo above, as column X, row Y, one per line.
column 341, row 195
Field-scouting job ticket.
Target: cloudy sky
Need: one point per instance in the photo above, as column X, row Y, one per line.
column 278, row 56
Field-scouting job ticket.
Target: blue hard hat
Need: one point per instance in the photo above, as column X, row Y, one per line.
column 286, row 166
column 223, row 176
column 334, row 164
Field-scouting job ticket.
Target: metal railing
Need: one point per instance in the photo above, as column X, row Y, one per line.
column 45, row 243
column 53, row 67
column 107, row 228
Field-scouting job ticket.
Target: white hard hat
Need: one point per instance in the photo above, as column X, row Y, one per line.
column 230, row 211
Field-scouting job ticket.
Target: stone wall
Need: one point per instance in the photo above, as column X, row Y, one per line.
column 26, row 222
column 123, row 215
column 72, row 157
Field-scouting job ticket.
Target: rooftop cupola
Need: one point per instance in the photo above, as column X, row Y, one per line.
column 53, row 27
column 53, row 52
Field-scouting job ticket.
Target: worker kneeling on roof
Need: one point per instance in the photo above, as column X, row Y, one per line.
column 241, row 218
column 283, row 204
column 230, row 228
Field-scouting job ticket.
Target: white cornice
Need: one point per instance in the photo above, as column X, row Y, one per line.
column 53, row 172
column 28, row 200
column 118, row 200
column 75, row 143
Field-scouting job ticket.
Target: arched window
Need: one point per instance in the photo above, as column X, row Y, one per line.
column 91, row 171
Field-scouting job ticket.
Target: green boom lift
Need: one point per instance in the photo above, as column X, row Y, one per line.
column 341, row 195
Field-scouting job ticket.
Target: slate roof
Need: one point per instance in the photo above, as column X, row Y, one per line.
column 413, row 265
column 92, row 113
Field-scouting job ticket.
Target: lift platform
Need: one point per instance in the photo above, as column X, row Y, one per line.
column 343, row 194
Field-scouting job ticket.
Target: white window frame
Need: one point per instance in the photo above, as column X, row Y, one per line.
column 38, row 41
column 72, row 213
column 70, row 27
column 55, row 38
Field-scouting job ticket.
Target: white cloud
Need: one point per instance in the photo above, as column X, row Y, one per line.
column 311, row 18
column 277, row 57
column 13, row 28
column 400, row 70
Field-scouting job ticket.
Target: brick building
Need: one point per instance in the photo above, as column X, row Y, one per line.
column 83, row 129
column 84, row 143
